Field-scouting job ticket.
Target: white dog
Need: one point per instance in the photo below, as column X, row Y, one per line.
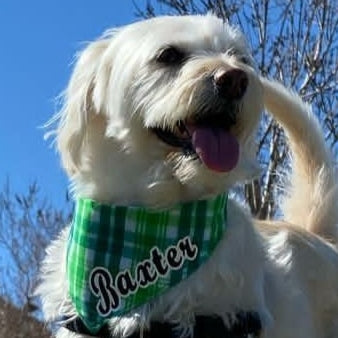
column 163, row 112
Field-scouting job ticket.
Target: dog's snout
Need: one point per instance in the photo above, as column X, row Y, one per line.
column 231, row 84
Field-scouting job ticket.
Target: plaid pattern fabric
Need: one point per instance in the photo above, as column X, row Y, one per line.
column 123, row 257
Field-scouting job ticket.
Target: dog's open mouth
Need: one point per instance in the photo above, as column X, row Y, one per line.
column 215, row 146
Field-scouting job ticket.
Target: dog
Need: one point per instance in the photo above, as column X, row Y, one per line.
column 164, row 111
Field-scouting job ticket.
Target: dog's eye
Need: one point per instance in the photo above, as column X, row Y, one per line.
column 170, row 56
column 244, row 59
column 240, row 57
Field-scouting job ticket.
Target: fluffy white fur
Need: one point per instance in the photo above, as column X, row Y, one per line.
column 287, row 271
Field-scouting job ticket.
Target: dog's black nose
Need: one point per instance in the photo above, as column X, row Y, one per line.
column 231, row 84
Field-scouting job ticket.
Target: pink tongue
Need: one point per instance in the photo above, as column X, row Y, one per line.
column 216, row 148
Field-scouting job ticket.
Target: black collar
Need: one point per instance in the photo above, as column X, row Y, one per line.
column 246, row 323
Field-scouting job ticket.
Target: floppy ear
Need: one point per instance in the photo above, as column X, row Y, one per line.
column 78, row 105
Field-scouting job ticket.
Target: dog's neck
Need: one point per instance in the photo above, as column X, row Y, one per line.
column 107, row 163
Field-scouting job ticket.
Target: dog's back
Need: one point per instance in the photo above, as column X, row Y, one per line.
column 307, row 236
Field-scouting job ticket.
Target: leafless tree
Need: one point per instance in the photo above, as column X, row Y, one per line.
column 18, row 323
column 27, row 224
column 295, row 42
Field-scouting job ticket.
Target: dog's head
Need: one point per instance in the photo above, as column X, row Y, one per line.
column 161, row 111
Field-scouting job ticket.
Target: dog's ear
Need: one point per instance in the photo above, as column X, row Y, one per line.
column 79, row 106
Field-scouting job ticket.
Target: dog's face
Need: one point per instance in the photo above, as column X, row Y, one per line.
column 161, row 111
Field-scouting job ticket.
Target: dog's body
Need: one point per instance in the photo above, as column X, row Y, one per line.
column 128, row 92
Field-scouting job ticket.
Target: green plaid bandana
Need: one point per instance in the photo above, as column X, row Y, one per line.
column 120, row 258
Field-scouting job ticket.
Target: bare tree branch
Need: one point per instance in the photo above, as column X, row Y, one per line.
column 27, row 223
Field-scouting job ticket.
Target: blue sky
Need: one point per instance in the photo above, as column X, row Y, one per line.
column 38, row 40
